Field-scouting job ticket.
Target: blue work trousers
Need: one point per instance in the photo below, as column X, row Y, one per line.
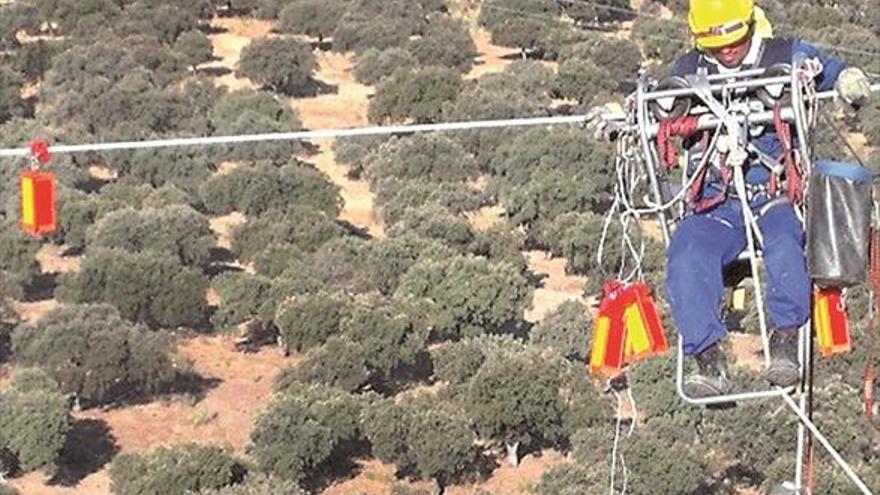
column 703, row 244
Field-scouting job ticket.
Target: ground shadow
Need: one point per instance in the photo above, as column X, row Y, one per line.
column 728, row 481
column 214, row 71
column 42, row 288
column 354, row 230
column 310, row 89
column 210, row 29
column 89, row 446
column 186, row 383
column 340, row 466
column 220, row 255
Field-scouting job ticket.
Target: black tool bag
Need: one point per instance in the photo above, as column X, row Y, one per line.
column 838, row 224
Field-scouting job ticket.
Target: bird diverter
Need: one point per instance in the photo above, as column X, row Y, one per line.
column 627, row 328
column 830, row 322
column 838, row 224
column 38, row 194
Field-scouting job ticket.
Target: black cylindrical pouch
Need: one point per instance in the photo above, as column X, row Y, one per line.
column 838, row 223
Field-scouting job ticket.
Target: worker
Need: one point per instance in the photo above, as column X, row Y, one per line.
column 730, row 36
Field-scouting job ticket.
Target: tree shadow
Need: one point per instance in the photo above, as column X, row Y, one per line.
column 41, row 288
column 214, row 71
column 74, row 251
column 354, row 230
column 89, row 446
column 484, row 465
column 186, row 383
column 728, row 480
column 534, row 279
column 407, row 376
column 210, row 29
column 324, row 45
column 311, row 89
column 220, row 255
column 339, row 466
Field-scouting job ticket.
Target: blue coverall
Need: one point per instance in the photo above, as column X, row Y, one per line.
column 704, row 243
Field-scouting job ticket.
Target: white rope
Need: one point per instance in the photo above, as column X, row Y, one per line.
column 616, row 441
column 303, row 135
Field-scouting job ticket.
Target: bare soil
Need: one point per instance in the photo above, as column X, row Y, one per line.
column 557, row 286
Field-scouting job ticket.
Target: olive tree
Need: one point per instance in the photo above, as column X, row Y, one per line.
column 96, row 355
column 182, row 468
column 514, row 399
column 281, row 64
column 195, row 47
column 416, row 95
column 425, row 436
column 254, row 190
column 445, row 42
column 176, row 230
column 471, row 295
column 11, row 102
column 147, row 287
column 33, row 429
column 374, row 65
column 317, row 18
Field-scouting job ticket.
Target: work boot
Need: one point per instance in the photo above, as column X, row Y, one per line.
column 784, row 370
column 710, row 380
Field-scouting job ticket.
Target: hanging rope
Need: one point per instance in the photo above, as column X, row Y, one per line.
column 683, row 127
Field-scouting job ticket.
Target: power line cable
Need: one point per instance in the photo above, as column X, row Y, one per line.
column 304, row 135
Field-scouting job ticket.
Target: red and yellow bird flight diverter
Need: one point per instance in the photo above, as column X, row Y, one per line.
column 830, row 322
column 627, row 328
column 38, row 194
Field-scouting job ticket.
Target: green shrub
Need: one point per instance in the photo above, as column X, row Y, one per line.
column 308, row 320
column 434, row 222
column 445, row 42
column 260, row 188
column 147, row 287
column 471, row 295
column 416, row 95
column 243, row 296
column 95, row 354
column 174, row 230
column 259, row 484
column 183, row 468
column 374, row 65
column 338, row 363
column 288, row 441
column 425, row 157
column 395, row 197
column 305, row 228
column 34, row 428
column 317, row 18
column 18, row 263
column 283, row 65
column 242, row 112
column 565, row 331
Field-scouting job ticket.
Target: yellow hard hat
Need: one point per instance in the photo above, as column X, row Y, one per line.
column 717, row 23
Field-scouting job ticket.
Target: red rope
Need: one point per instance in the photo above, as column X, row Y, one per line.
column 793, row 181
column 870, row 370
column 683, row 127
